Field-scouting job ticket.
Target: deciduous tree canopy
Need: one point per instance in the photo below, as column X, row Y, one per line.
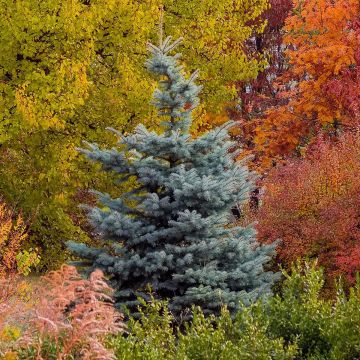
column 68, row 69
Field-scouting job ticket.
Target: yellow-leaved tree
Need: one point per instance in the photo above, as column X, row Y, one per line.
column 69, row 69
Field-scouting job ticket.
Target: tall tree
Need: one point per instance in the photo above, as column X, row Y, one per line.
column 68, row 69
column 258, row 95
column 172, row 230
column 323, row 53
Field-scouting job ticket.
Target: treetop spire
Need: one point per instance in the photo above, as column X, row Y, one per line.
column 176, row 97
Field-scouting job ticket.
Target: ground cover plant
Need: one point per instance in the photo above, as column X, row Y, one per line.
column 297, row 323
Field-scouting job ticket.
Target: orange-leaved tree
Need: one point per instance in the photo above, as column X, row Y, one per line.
column 313, row 206
column 323, row 54
column 255, row 95
column 12, row 236
column 260, row 94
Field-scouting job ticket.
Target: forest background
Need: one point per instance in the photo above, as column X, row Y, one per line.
column 286, row 71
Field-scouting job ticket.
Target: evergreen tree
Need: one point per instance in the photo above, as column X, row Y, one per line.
column 70, row 68
column 172, row 231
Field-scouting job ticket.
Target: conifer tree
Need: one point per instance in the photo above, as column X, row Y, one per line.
column 172, row 230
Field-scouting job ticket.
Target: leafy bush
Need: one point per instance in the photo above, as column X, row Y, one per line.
column 25, row 259
column 295, row 324
column 157, row 336
column 312, row 205
column 322, row 329
column 73, row 322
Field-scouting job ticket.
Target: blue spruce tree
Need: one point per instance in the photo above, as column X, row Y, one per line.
column 172, row 231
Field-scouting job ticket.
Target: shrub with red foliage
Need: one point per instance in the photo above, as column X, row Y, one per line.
column 75, row 314
column 313, row 206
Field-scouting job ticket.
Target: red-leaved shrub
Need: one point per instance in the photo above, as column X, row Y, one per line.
column 313, row 206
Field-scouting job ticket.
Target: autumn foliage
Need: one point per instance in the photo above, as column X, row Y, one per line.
column 299, row 119
column 320, row 90
column 257, row 95
column 260, row 94
column 12, row 236
column 72, row 314
column 75, row 313
column 312, row 205
column 287, row 72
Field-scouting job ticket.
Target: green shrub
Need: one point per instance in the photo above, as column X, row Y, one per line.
column 343, row 328
column 322, row 328
column 297, row 323
column 244, row 337
column 298, row 313
column 153, row 336
column 156, row 335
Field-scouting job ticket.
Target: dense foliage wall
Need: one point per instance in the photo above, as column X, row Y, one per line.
column 68, row 69
column 320, row 88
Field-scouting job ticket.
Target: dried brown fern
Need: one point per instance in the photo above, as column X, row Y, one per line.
column 16, row 303
column 75, row 314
